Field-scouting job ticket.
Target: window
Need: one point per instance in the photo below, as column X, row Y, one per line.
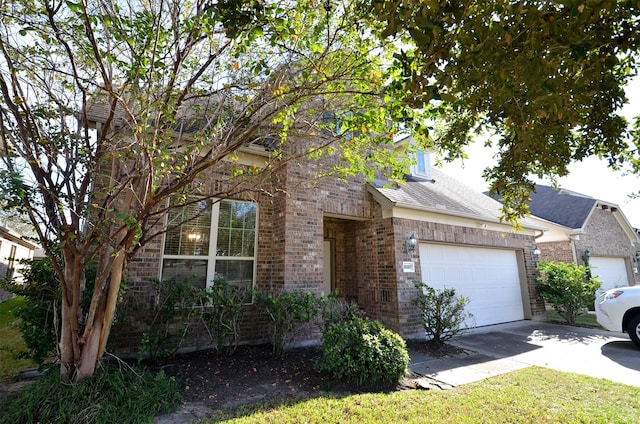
column 207, row 240
column 422, row 168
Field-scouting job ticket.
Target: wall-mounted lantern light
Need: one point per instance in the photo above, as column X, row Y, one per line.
column 535, row 253
column 585, row 257
column 636, row 258
column 411, row 243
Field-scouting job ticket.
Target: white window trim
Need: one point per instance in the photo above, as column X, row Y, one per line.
column 212, row 257
column 427, row 165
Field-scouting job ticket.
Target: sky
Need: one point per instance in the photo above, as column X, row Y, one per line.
column 591, row 177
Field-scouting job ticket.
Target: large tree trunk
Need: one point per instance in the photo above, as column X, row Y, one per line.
column 80, row 354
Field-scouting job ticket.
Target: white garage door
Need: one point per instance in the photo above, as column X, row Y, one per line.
column 611, row 271
column 489, row 278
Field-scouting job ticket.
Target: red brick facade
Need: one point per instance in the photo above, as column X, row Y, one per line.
column 367, row 248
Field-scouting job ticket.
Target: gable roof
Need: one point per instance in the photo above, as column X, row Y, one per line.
column 561, row 206
column 444, row 195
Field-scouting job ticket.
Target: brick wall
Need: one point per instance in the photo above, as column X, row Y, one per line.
column 292, row 227
column 558, row 251
column 433, row 232
column 604, row 236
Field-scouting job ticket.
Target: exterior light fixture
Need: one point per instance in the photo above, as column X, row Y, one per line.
column 535, row 253
column 585, row 257
column 411, row 243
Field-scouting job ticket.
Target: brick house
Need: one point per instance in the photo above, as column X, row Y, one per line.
column 350, row 237
column 584, row 230
column 13, row 248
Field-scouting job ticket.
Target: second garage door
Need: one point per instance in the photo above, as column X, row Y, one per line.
column 489, row 278
column 611, row 271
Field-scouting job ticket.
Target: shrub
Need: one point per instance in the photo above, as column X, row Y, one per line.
column 442, row 313
column 334, row 310
column 169, row 318
column 286, row 311
column 223, row 305
column 363, row 351
column 111, row 395
column 570, row 288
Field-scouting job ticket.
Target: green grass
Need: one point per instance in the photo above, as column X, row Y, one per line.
column 11, row 342
column 586, row 320
column 531, row 395
column 114, row 394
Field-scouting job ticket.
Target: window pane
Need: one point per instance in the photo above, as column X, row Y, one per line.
column 172, row 243
column 224, row 217
column 195, row 242
column 248, row 243
column 235, row 272
column 236, row 229
column 193, row 270
column 421, row 164
column 244, row 215
column 223, row 242
column 188, row 229
column 235, row 244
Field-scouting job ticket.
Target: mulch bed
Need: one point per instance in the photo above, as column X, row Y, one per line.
column 252, row 374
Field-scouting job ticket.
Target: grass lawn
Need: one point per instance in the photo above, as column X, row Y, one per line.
column 531, row 395
column 586, row 320
column 10, row 341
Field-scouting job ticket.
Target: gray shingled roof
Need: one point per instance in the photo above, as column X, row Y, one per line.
column 563, row 207
column 446, row 195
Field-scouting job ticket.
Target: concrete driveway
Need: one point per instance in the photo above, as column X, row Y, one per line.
column 506, row 347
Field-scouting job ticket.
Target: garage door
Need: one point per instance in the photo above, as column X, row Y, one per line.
column 489, row 278
column 611, row 271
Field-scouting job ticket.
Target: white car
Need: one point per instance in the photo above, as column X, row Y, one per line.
column 619, row 310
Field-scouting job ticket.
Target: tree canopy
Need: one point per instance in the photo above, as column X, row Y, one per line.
column 111, row 108
column 543, row 81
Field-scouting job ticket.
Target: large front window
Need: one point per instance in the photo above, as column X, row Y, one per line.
column 207, row 240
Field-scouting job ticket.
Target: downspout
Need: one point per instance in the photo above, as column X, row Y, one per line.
column 572, row 242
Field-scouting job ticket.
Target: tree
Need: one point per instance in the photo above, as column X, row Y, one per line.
column 112, row 108
column 570, row 288
column 542, row 80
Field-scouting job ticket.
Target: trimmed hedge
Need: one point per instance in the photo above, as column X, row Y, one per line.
column 363, row 351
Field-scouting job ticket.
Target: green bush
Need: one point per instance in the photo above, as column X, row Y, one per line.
column 442, row 313
column 112, row 395
column 363, row 351
column 286, row 311
column 169, row 318
column 333, row 309
column 222, row 312
column 570, row 288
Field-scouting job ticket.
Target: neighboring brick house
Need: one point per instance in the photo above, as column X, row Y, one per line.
column 351, row 237
column 577, row 224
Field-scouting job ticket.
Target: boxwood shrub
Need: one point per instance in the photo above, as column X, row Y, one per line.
column 363, row 351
